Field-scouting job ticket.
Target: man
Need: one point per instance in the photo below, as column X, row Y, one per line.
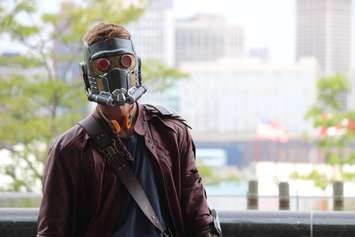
column 84, row 195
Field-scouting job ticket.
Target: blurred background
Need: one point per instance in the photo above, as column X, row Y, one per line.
column 267, row 87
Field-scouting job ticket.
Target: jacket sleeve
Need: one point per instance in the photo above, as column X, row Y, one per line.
column 56, row 217
column 197, row 215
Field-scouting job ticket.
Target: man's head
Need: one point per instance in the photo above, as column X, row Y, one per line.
column 104, row 31
column 111, row 69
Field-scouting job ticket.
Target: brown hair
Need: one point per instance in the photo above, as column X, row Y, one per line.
column 103, row 31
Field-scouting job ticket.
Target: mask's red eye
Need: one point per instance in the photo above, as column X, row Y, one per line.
column 102, row 64
column 126, row 61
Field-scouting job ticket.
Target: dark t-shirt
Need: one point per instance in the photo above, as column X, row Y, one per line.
column 132, row 220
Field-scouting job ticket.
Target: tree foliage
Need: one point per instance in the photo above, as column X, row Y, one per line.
column 39, row 95
column 211, row 176
column 336, row 127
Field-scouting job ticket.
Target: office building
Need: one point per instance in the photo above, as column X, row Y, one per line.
column 153, row 33
column 207, row 38
column 224, row 100
column 323, row 31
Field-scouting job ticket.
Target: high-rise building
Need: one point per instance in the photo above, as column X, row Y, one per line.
column 324, row 31
column 207, row 38
column 153, row 33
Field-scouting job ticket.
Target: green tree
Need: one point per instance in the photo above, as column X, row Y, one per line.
column 39, row 98
column 211, row 176
column 337, row 130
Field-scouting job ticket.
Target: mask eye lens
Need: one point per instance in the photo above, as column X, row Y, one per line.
column 126, row 61
column 102, row 64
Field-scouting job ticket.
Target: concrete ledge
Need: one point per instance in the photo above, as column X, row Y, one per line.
column 289, row 224
column 17, row 222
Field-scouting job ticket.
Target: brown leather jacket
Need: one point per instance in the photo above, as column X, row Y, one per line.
column 81, row 195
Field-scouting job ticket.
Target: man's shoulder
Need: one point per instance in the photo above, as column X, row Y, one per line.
column 74, row 138
column 67, row 150
column 166, row 116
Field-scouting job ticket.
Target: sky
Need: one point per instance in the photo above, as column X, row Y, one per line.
column 267, row 23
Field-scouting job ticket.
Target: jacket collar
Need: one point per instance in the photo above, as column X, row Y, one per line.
column 140, row 127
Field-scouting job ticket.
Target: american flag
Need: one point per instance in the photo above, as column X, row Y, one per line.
column 270, row 130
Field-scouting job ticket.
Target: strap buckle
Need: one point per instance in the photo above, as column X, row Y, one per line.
column 110, row 151
column 167, row 233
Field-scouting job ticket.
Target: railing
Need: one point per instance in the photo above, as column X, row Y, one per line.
column 251, row 201
column 16, row 222
column 272, row 203
column 235, row 221
column 285, row 198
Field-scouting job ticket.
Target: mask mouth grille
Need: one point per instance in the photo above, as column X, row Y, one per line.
column 119, row 96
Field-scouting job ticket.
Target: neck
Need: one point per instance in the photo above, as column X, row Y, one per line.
column 120, row 118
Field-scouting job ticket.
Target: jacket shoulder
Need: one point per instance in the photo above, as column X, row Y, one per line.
column 66, row 151
column 168, row 116
column 73, row 138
